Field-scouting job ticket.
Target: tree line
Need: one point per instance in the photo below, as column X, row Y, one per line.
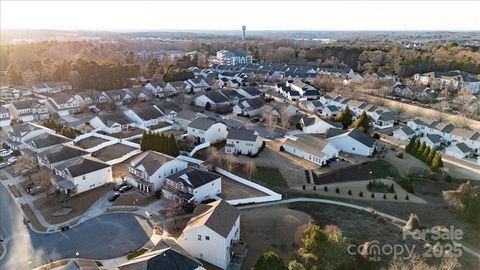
column 425, row 153
column 59, row 128
column 159, row 142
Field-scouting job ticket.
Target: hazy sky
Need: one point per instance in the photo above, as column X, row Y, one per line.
column 223, row 15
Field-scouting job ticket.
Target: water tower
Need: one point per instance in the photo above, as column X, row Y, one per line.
column 244, row 28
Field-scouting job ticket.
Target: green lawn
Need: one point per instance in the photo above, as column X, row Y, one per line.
column 270, row 176
column 382, row 169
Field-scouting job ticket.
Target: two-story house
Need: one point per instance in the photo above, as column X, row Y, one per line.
column 212, row 232
column 145, row 116
column 28, row 110
column 81, row 174
column 207, row 130
column 192, row 186
column 91, row 98
column 111, row 123
column 4, row 117
column 45, row 141
column 17, row 136
column 63, row 105
column 59, row 154
column 249, row 107
column 150, row 169
column 243, row 141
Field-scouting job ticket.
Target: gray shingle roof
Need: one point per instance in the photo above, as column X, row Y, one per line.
column 151, row 161
column 193, row 177
column 80, row 166
column 148, row 113
column 463, row 147
column 47, row 139
column 202, row 123
column 62, row 152
column 242, row 134
column 216, row 96
column 219, row 216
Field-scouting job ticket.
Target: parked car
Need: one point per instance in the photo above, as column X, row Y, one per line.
column 114, row 197
column 12, row 160
column 4, row 165
column 119, row 186
column 5, row 153
column 125, row 188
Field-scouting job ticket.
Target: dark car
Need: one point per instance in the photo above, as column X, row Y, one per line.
column 125, row 188
column 119, row 186
column 114, row 197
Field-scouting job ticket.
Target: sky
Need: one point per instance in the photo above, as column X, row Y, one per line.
column 231, row 15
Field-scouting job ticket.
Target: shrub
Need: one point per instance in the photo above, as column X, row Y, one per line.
column 391, row 189
column 314, row 187
column 433, row 176
column 448, row 178
column 349, row 192
column 360, row 194
column 384, row 196
column 395, row 197
column 325, row 189
column 407, row 198
column 303, row 187
column 281, row 148
column 400, row 155
column 373, row 196
column 337, row 190
column 407, row 185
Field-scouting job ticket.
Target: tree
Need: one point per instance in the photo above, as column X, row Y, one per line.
column 410, row 145
column 415, row 148
column 345, row 117
column 437, row 161
column 269, row 261
column 212, row 156
column 173, row 146
column 14, row 74
column 250, row 169
column 208, row 106
column 294, row 265
column 229, row 162
column 363, row 122
column 425, row 154
column 430, row 157
column 284, row 117
column 420, row 150
column 270, row 124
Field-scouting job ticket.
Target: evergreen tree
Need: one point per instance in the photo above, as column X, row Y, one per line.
column 425, row 154
column 430, row 157
column 363, row 122
column 410, row 145
column 437, row 161
column 345, row 117
column 420, row 151
column 175, row 151
column 142, row 141
column 415, row 148
column 269, row 261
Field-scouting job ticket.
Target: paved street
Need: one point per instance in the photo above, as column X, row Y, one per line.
column 103, row 237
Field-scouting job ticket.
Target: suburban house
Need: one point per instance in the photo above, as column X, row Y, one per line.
column 311, row 125
column 351, row 141
column 330, row 110
column 432, row 140
column 45, row 141
column 145, row 116
column 214, row 98
column 51, row 87
column 4, row 117
column 233, row 57
column 158, row 89
column 404, row 133
column 468, row 136
column 459, row 150
column 207, row 130
column 311, row 148
column 314, row 106
column 165, row 255
column 243, row 141
column 119, row 96
column 249, row 92
column 184, row 117
column 192, row 185
column 91, row 98
column 198, row 84
column 381, row 117
column 249, row 107
column 140, row 94
column 17, row 136
column 454, row 79
column 62, row 105
column 212, row 233
column 149, row 170
column 58, row 154
column 336, row 72
column 81, row 174
column 111, row 122
column 28, row 110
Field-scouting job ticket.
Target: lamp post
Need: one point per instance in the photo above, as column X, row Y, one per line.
column 77, row 254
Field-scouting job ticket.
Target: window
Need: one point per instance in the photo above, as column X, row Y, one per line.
column 83, row 177
column 199, row 237
column 207, row 237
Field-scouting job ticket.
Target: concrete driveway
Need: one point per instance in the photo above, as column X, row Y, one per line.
column 107, row 236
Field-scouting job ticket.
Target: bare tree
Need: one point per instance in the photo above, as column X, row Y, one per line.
column 250, row 169
column 399, row 109
column 213, row 156
column 270, row 124
column 229, row 161
column 284, row 117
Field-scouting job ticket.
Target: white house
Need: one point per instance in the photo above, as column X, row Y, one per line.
column 249, row 107
column 459, row 150
column 212, row 232
column 404, row 133
column 192, row 185
column 145, row 116
column 28, row 110
column 82, row 174
column 111, row 122
column 330, row 110
column 311, row 148
column 149, row 170
column 51, row 87
column 432, row 140
column 17, row 136
column 214, row 98
column 198, row 84
column 313, row 106
column 243, row 141
column 63, row 105
column 91, row 98
column 351, row 141
column 312, row 125
column 119, row 96
column 59, row 154
column 45, row 141
column 184, row 117
column 207, row 130
column 4, row 117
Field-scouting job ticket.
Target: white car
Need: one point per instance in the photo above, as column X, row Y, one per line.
column 5, row 153
column 12, row 160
